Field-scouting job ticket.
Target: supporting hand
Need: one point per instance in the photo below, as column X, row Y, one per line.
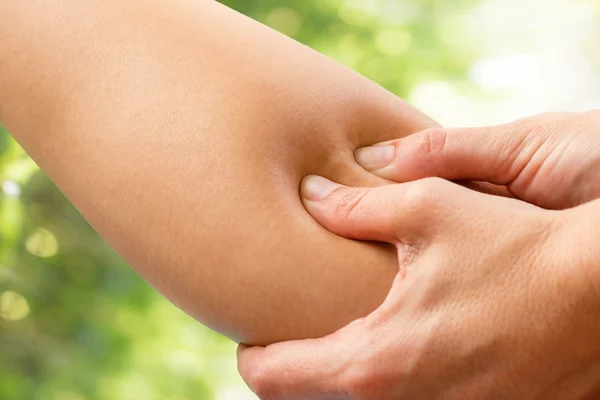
column 493, row 301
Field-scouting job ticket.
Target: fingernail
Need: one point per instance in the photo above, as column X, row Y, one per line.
column 316, row 188
column 375, row 157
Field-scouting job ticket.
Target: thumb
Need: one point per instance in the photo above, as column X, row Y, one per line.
column 495, row 154
column 398, row 214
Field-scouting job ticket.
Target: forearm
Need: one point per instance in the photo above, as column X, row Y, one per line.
column 181, row 132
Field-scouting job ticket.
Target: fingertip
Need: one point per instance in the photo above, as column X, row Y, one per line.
column 375, row 157
column 249, row 361
column 316, row 188
column 241, row 348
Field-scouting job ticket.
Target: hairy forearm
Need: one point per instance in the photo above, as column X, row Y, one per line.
column 181, row 131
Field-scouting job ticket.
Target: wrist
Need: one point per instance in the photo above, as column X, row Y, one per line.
column 572, row 268
column 583, row 230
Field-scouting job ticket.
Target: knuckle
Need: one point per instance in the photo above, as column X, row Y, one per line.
column 349, row 202
column 544, row 125
column 531, row 126
column 425, row 193
column 432, row 142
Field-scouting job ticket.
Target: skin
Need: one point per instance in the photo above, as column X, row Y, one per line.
column 182, row 134
column 497, row 301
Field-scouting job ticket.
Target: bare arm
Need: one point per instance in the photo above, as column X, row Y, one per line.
column 181, row 130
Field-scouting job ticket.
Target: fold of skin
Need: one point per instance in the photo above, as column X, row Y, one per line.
column 181, row 130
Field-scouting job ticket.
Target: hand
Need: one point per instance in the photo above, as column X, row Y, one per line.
column 493, row 301
column 551, row 160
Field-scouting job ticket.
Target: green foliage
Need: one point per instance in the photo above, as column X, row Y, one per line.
column 397, row 44
column 76, row 323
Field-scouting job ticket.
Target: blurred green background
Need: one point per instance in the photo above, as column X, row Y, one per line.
column 77, row 324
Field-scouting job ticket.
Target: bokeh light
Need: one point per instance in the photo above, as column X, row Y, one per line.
column 13, row 306
column 11, row 188
column 42, row 243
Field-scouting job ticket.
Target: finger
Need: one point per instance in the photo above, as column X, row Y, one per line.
column 397, row 214
column 487, row 188
column 306, row 369
column 495, row 154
